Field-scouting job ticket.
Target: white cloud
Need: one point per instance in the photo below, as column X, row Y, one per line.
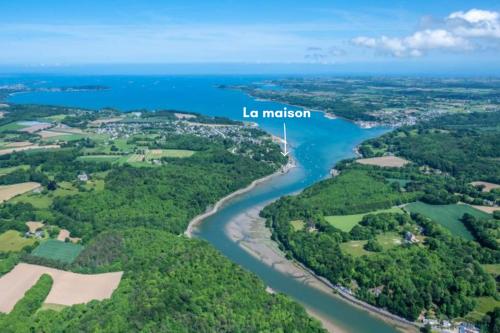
column 435, row 39
column 460, row 31
column 475, row 23
column 414, row 45
column 475, row 16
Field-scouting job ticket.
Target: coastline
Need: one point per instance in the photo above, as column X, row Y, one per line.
column 199, row 218
column 331, row 116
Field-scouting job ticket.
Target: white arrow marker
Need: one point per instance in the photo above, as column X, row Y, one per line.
column 284, row 140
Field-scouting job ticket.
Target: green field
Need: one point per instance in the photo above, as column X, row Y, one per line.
column 177, row 153
column 57, row 250
column 493, row 269
column 12, row 127
column 447, row 215
column 100, row 158
column 355, row 248
column 57, row 117
column 5, row 171
column 65, row 137
column 12, row 241
column 297, row 225
column 347, row 222
column 137, row 159
column 95, row 184
column 483, row 306
column 42, row 201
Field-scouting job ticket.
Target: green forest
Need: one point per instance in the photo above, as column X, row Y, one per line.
column 171, row 284
column 466, row 146
column 130, row 217
column 406, row 263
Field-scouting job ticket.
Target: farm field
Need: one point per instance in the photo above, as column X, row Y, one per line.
column 100, row 158
column 11, row 127
column 56, row 250
column 57, row 117
column 347, row 222
column 68, row 288
column 9, row 191
column 59, row 136
column 39, row 200
column 385, row 161
column 5, row 171
column 355, row 248
column 178, row 153
column 447, row 215
column 32, row 147
column 138, row 159
column 12, row 144
column 486, row 209
column 12, row 241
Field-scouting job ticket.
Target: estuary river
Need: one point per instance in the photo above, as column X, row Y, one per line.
column 235, row 230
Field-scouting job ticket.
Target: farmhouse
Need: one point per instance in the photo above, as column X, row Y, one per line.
column 34, row 229
column 410, row 237
column 83, row 177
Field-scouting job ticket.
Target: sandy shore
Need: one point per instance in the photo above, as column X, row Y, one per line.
column 198, row 219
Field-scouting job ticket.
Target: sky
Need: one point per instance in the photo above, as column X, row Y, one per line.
column 384, row 36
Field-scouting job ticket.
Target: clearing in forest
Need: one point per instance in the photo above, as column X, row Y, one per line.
column 347, row 222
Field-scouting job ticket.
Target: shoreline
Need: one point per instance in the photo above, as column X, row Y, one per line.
column 199, row 218
column 249, row 232
column 383, row 314
column 329, row 115
column 265, row 249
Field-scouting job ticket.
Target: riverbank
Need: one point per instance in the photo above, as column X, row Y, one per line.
column 198, row 219
column 249, row 231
